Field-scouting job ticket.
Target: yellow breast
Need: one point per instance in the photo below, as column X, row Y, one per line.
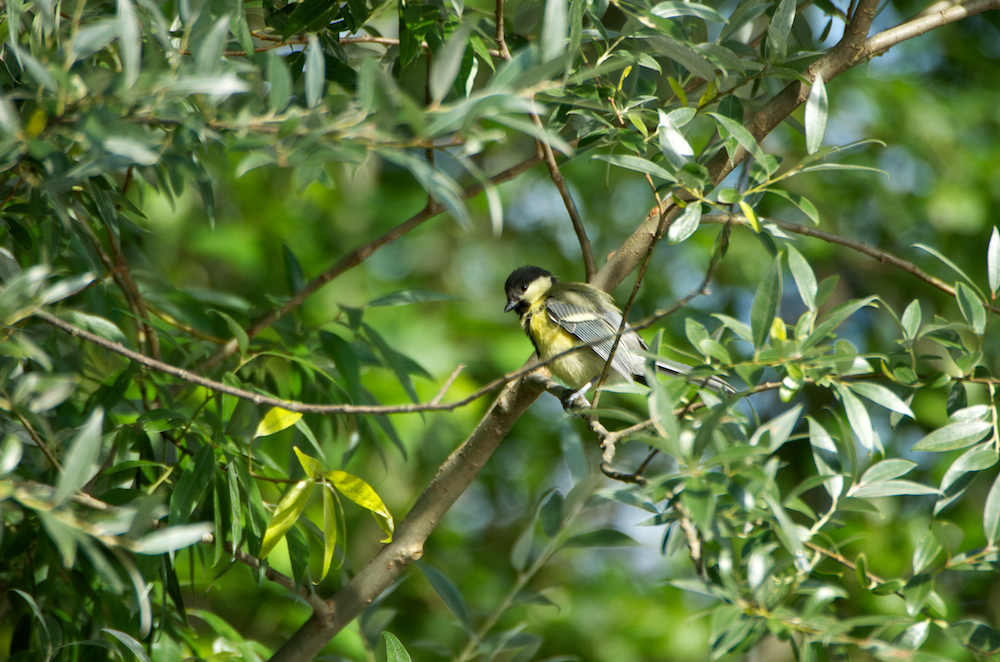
column 550, row 339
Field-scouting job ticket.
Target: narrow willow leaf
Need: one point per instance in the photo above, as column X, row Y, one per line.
column 276, row 420
column 888, row 488
column 971, row 307
column 280, row 79
column 993, row 261
column 82, row 460
column 805, row 279
column 134, row 646
column 882, row 396
column 310, row 465
column 683, row 55
column 191, row 485
column 173, row 538
column 242, row 339
column 858, row 418
column 954, row 436
column 765, row 303
column 315, row 72
column 954, row 267
column 362, row 494
column 750, row 215
column 448, row 62
column 394, row 650
column 911, row 320
column 816, row 113
column 130, row 40
column 780, row 429
column 286, row 514
column 835, row 318
column 991, row 513
column 555, row 29
column 448, row 592
column 685, row 225
column 329, row 532
column 638, row 164
column 886, row 470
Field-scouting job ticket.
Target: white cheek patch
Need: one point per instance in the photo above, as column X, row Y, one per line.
column 538, row 287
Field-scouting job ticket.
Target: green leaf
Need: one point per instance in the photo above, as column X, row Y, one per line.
column 889, row 488
column 682, row 54
column 858, row 418
column 286, row 514
column 779, row 428
column 911, row 320
column 276, row 420
column 886, row 470
column 394, row 650
column 953, row 436
column 242, row 339
column 315, row 74
column 686, row 224
column 916, row 592
column 736, row 130
column 448, row 593
column 978, row 637
column 993, row 261
column 82, row 459
column 394, row 361
column 816, row 111
column 329, row 532
column 971, row 307
column 191, row 485
column 310, row 465
column 408, row 297
column 636, row 163
column 882, row 396
column 803, row 203
column 447, row 63
column 765, row 303
column 602, row 538
column 805, row 279
column 130, row 42
column 555, row 29
column 98, row 326
column 130, row 643
column 362, row 494
column 834, row 319
column 280, row 78
column 172, row 538
column 991, row 513
column 945, row 260
column 677, row 9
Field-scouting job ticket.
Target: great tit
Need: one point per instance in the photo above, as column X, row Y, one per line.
column 558, row 316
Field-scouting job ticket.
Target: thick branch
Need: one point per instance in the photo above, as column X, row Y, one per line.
column 454, row 476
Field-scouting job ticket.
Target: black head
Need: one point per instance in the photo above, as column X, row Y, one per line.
column 518, row 283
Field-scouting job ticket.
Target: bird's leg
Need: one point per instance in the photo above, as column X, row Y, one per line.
column 577, row 399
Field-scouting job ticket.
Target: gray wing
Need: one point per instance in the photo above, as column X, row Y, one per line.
column 600, row 328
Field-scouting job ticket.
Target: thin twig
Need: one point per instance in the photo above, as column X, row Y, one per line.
column 447, row 383
column 853, row 244
column 37, row 438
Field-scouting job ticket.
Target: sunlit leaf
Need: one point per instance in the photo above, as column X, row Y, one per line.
column 816, row 113
column 362, row 494
column 276, row 420
column 81, row 461
column 286, row 514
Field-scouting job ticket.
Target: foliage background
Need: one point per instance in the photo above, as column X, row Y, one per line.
column 215, row 235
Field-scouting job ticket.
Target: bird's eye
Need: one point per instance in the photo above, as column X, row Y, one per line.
column 524, row 288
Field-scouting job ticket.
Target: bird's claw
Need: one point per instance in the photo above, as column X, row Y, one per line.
column 577, row 399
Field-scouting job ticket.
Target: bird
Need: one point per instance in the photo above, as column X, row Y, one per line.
column 558, row 316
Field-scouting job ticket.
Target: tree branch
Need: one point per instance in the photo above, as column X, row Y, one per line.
column 454, row 476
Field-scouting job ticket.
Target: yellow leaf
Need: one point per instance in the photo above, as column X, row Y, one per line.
column 678, row 91
column 276, row 420
column 329, row 532
column 286, row 515
column 751, row 216
column 362, row 494
column 310, row 465
column 625, row 74
column 778, row 329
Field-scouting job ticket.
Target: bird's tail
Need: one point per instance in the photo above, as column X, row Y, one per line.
column 676, row 369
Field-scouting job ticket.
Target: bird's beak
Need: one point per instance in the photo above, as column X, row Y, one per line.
column 511, row 305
